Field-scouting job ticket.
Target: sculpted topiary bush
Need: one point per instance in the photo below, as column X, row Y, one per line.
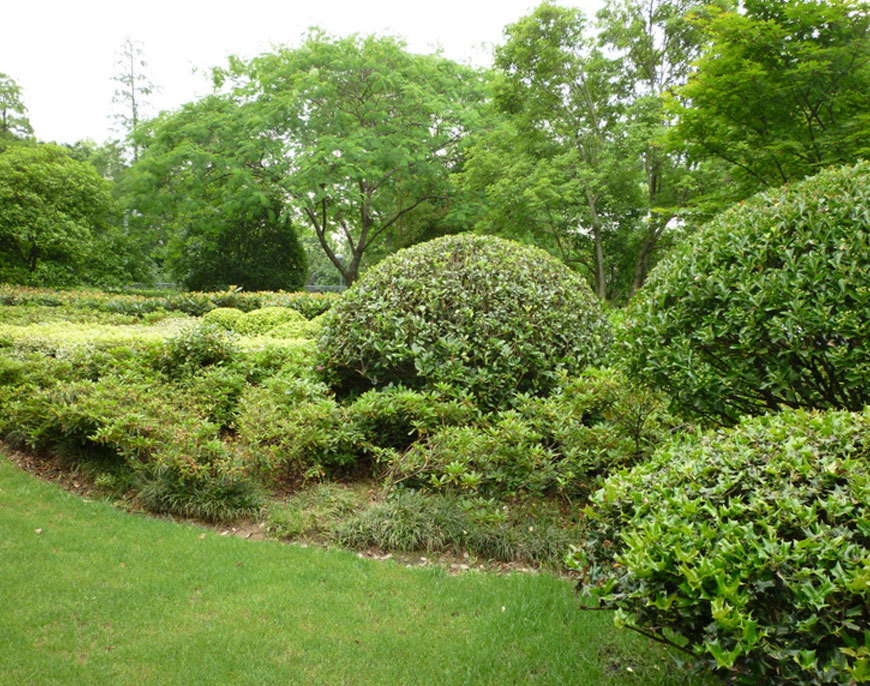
column 481, row 313
column 768, row 306
column 749, row 548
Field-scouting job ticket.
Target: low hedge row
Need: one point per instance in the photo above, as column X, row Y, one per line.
column 194, row 304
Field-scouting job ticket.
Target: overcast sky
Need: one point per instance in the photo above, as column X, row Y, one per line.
column 63, row 52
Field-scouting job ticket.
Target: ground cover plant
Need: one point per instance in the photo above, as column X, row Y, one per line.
column 203, row 417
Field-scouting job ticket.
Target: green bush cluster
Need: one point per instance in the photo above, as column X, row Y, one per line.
column 190, row 303
column 749, row 548
column 264, row 319
column 481, row 313
column 224, row 317
column 274, row 322
column 767, row 307
column 175, row 456
column 590, row 424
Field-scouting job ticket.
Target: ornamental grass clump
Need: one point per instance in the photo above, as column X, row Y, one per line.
column 483, row 314
column 748, row 548
column 768, row 306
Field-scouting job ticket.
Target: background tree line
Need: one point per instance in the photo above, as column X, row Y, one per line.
column 602, row 140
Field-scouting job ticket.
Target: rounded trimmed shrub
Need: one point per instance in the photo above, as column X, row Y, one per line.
column 225, row 317
column 767, row 307
column 478, row 312
column 296, row 329
column 749, row 548
column 260, row 321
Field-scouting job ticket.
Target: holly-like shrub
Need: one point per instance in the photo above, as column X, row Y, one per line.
column 749, row 548
column 767, row 307
column 481, row 313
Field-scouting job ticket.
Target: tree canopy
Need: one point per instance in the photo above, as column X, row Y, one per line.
column 779, row 93
column 13, row 114
column 204, row 189
column 57, row 220
column 368, row 134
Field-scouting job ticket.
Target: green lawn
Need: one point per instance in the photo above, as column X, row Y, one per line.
column 93, row 595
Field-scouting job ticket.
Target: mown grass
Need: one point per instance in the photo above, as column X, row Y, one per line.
column 103, row 597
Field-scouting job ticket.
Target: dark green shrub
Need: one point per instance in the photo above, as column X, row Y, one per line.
column 565, row 442
column 767, row 307
column 749, row 547
column 214, row 394
column 500, row 459
column 596, row 422
column 481, row 313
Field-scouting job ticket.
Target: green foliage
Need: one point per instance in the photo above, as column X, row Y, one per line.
column 409, row 521
column 295, row 428
column 480, row 313
column 179, row 464
column 768, row 306
column 263, row 320
column 205, row 185
column 195, row 347
column 296, row 329
column 57, row 221
column 750, row 548
column 565, row 442
column 778, row 95
column 313, row 513
column 359, row 133
column 396, row 417
column 310, row 305
column 225, row 317
column 14, row 123
column 222, row 498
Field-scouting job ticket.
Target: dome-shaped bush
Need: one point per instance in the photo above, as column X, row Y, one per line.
column 258, row 322
column 484, row 314
column 750, row 547
column 224, row 317
column 768, row 306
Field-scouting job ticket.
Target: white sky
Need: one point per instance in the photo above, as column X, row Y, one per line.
column 62, row 52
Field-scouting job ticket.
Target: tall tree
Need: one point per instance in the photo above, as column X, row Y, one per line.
column 779, row 93
column 560, row 144
column 576, row 164
column 369, row 133
column 656, row 44
column 57, row 221
column 134, row 87
column 204, row 192
column 14, row 123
